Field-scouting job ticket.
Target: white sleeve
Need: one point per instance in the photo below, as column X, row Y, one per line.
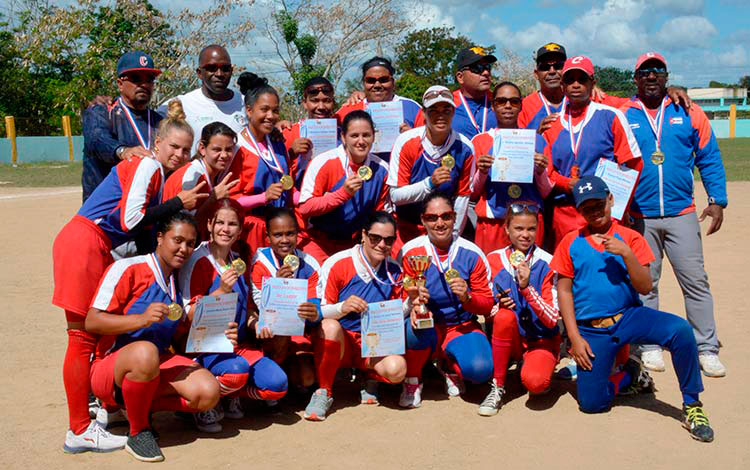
column 411, row 193
column 462, row 209
column 331, row 310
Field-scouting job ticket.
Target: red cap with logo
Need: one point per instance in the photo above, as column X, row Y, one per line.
column 649, row 56
column 579, row 63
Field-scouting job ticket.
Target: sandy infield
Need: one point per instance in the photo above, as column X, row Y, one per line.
column 547, row 432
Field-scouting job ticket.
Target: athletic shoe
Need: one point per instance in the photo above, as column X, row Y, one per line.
column 208, row 421
column 454, row 386
column 696, row 422
column 569, row 372
column 641, row 382
column 93, row 406
column 219, row 411
column 319, row 405
column 411, row 393
column 106, row 419
column 271, row 403
column 653, row 360
column 94, row 439
column 369, row 393
column 233, row 408
column 711, row 365
column 143, row 447
column 493, row 401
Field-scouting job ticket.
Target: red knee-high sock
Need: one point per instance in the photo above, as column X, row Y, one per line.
column 76, row 370
column 415, row 361
column 622, row 355
column 231, row 383
column 327, row 360
column 171, row 403
column 504, row 331
column 138, row 397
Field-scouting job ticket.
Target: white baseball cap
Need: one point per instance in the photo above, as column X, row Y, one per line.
column 437, row 94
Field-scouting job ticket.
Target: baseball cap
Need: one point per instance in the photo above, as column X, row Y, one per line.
column 579, row 63
column 136, row 61
column 437, row 94
column 472, row 55
column 550, row 48
column 649, row 56
column 589, row 187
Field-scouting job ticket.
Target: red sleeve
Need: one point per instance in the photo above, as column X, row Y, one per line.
column 383, row 197
column 543, row 305
column 119, row 294
column 528, row 110
column 318, row 205
column 561, row 182
column 173, row 185
column 561, row 261
column 201, row 278
column 482, row 301
column 249, row 168
column 464, row 181
column 332, row 288
column 625, row 146
column 290, row 135
column 419, row 120
column 258, row 273
column 638, row 244
column 614, row 101
column 312, row 285
column 236, row 169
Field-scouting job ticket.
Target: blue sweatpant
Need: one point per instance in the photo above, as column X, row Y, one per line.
column 640, row 325
column 265, row 380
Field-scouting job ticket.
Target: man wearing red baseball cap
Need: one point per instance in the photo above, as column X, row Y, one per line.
column 585, row 132
column 675, row 141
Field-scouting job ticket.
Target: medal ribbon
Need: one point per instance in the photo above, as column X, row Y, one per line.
column 655, row 127
column 276, row 263
column 471, row 115
column 451, row 255
column 575, row 145
column 442, row 150
column 162, row 282
column 371, row 271
column 548, row 107
column 131, row 120
column 269, row 156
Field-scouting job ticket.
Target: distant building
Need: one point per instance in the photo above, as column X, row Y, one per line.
column 718, row 100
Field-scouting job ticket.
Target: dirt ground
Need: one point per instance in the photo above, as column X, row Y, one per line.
column 547, row 432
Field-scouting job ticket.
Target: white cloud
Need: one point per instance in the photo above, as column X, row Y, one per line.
column 737, row 56
column 685, row 31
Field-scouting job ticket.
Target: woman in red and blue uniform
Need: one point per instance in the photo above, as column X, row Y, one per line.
column 244, row 373
column 349, row 281
column 123, row 206
column 336, row 201
column 457, row 339
column 134, row 367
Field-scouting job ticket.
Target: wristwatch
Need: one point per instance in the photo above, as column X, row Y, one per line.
column 119, row 151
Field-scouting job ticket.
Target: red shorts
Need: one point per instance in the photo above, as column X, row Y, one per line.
column 316, row 244
column 491, row 234
column 102, row 374
column 446, row 334
column 353, row 352
column 80, row 255
column 254, row 233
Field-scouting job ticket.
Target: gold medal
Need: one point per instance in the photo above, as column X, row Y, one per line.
column 451, row 274
column 365, row 172
column 239, row 266
column 657, row 158
column 287, row 182
column 408, row 282
column 514, row 191
column 516, row 258
column 448, row 161
column 175, row 311
column 292, row 261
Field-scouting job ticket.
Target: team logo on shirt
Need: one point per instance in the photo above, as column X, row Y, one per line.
column 675, row 121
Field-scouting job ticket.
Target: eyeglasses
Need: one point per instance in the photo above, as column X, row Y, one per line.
column 213, row 68
column 660, row 72
column 520, row 208
column 478, row 68
column 502, row 101
column 445, row 217
column 542, row 67
column 381, row 80
column 375, row 239
column 139, row 79
column 315, row 91
column 437, row 94
column 571, row 79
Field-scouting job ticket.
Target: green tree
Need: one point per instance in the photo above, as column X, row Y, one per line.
column 745, row 82
column 615, row 81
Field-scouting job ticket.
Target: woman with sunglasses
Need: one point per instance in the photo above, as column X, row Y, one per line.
column 585, row 133
column 349, row 281
column 341, row 189
column 525, row 322
column 427, row 158
column 261, row 164
column 380, row 86
column 457, row 290
column 493, row 197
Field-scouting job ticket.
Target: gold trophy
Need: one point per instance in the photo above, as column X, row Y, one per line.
column 420, row 264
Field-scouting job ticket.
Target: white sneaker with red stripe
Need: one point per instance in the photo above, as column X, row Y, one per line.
column 411, row 393
column 93, row 439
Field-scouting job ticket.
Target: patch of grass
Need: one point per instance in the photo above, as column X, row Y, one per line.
column 736, row 156
column 41, row 174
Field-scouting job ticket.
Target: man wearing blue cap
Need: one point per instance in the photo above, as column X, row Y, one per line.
column 126, row 128
column 602, row 268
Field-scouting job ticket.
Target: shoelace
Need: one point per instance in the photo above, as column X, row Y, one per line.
column 319, row 399
column 696, row 416
column 209, row 415
column 492, row 397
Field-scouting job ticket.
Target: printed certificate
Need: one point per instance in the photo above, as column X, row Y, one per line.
column 621, row 181
column 212, row 314
column 279, row 299
column 388, row 117
column 513, row 150
column 322, row 132
column 383, row 329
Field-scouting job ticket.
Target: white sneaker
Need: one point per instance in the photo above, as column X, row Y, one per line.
column 711, row 365
column 454, row 386
column 93, row 439
column 653, row 360
column 106, row 419
column 493, row 401
column 411, row 393
column 207, row 421
column 233, row 409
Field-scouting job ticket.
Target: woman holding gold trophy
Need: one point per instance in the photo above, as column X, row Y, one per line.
column 456, row 289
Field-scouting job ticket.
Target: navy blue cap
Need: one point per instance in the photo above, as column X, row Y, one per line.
column 136, row 61
column 589, row 187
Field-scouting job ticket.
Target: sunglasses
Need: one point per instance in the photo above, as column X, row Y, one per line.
column 437, row 94
column 213, row 68
column 325, row 90
column 139, row 79
column 375, row 239
column 502, row 101
column 478, row 68
column 520, row 208
column 571, row 79
column 549, row 66
column 660, row 72
column 381, row 80
column 445, row 217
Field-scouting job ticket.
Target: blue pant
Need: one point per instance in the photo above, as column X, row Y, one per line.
column 640, row 325
column 265, row 375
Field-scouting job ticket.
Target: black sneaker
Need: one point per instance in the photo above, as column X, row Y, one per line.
column 143, row 447
column 641, row 382
column 696, row 422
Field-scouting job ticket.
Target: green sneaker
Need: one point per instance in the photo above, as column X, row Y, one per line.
column 696, row 422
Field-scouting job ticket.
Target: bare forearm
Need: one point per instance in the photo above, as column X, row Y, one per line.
column 639, row 274
column 567, row 307
column 103, row 323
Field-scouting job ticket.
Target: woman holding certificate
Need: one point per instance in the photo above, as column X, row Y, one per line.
column 457, row 278
column 341, row 189
column 260, row 163
column 214, row 270
column 350, row 280
column 123, row 206
column 137, row 310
